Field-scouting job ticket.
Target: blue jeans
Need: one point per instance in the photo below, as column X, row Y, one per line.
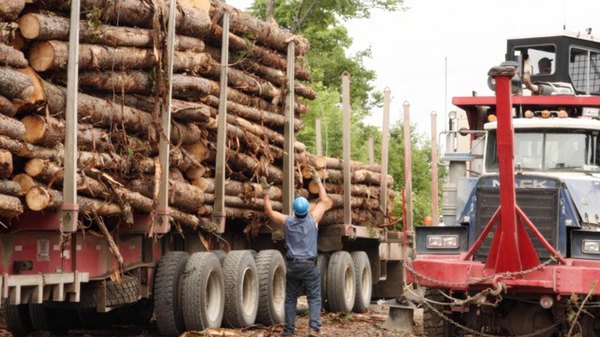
column 307, row 275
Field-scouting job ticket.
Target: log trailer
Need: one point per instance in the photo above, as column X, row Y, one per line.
column 519, row 254
column 82, row 264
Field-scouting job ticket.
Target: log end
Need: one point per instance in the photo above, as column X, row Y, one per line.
column 41, row 56
column 25, row 182
column 37, row 198
column 35, row 166
column 35, row 128
column 29, row 26
column 38, row 93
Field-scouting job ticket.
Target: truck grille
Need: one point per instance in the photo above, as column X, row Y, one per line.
column 540, row 205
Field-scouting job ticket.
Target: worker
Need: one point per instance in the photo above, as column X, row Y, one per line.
column 544, row 66
column 301, row 242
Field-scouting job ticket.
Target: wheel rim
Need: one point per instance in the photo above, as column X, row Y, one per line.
column 365, row 284
column 213, row 296
column 249, row 293
column 279, row 288
column 348, row 285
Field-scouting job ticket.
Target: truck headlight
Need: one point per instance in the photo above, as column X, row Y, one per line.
column 590, row 246
column 443, row 242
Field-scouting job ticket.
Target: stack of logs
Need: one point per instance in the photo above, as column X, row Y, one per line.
column 121, row 90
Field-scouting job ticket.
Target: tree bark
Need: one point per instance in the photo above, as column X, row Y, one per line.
column 361, row 217
column 7, row 107
column 12, row 57
column 14, row 146
column 338, row 164
column 356, row 189
column 6, row 164
column 266, row 33
column 38, row 26
column 15, row 84
column 357, row 177
column 138, row 13
column 183, row 196
column 12, row 128
column 260, row 54
column 39, row 198
column 10, row 206
column 10, row 9
column 10, row 187
column 101, row 112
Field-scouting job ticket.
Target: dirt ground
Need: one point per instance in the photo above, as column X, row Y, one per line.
column 367, row 324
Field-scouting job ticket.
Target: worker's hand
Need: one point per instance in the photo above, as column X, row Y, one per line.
column 315, row 176
column 266, row 187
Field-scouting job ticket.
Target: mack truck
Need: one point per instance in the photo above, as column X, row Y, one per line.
column 517, row 252
column 102, row 254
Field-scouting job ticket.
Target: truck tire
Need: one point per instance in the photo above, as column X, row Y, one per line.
column 203, row 292
column 322, row 262
column 167, row 293
column 127, row 290
column 341, row 282
column 433, row 324
column 241, row 289
column 271, row 293
column 364, row 281
column 221, row 255
column 17, row 319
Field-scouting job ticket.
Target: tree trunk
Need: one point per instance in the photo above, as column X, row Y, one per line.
column 239, row 189
column 183, row 196
column 10, row 206
column 12, row 57
column 34, row 100
column 6, row 164
column 355, row 202
column 338, row 164
column 101, row 112
column 357, row 177
column 15, row 84
column 260, row 54
column 10, row 187
column 38, row 26
column 14, row 146
column 12, row 128
column 139, row 13
column 39, row 198
column 10, row 9
column 266, row 33
column 356, row 190
column 361, row 217
column 7, row 107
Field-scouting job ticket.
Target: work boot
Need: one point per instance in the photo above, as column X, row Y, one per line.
column 314, row 333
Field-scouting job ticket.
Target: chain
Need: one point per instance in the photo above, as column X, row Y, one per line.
column 408, row 265
column 477, row 333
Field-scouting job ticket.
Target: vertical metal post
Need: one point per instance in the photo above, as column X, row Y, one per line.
column 347, row 141
column 408, row 167
column 218, row 216
column 385, row 136
column 70, row 208
column 318, row 135
column 371, row 143
column 288, row 131
column 434, row 170
column 163, row 212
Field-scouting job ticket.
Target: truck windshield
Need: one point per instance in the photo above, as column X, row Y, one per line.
column 550, row 150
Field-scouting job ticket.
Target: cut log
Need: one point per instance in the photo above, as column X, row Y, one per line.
column 238, row 189
column 338, row 164
column 356, row 189
column 101, row 112
column 355, row 202
column 6, row 164
column 15, row 84
column 359, row 216
column 12, row 57
column 25, row 181
column 197, row 172
column 7, row 107
column 39, row 198
column 357, row 177
column 183, row 196
column 38, row 26
column 35, row 99
column 266, row 33
column 14, row 146
column 12, row 128
column 10, row 9
column 260, row 54
column 10, row 206
column 139, row 13
column 10, row 187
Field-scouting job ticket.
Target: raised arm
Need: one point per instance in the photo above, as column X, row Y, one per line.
column 275, row 216
column 324, row 203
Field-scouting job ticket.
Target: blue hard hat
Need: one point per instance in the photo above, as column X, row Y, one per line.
column 301, row 206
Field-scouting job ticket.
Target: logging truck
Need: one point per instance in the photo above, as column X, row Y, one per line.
column 518, row 254
column 132, row 139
